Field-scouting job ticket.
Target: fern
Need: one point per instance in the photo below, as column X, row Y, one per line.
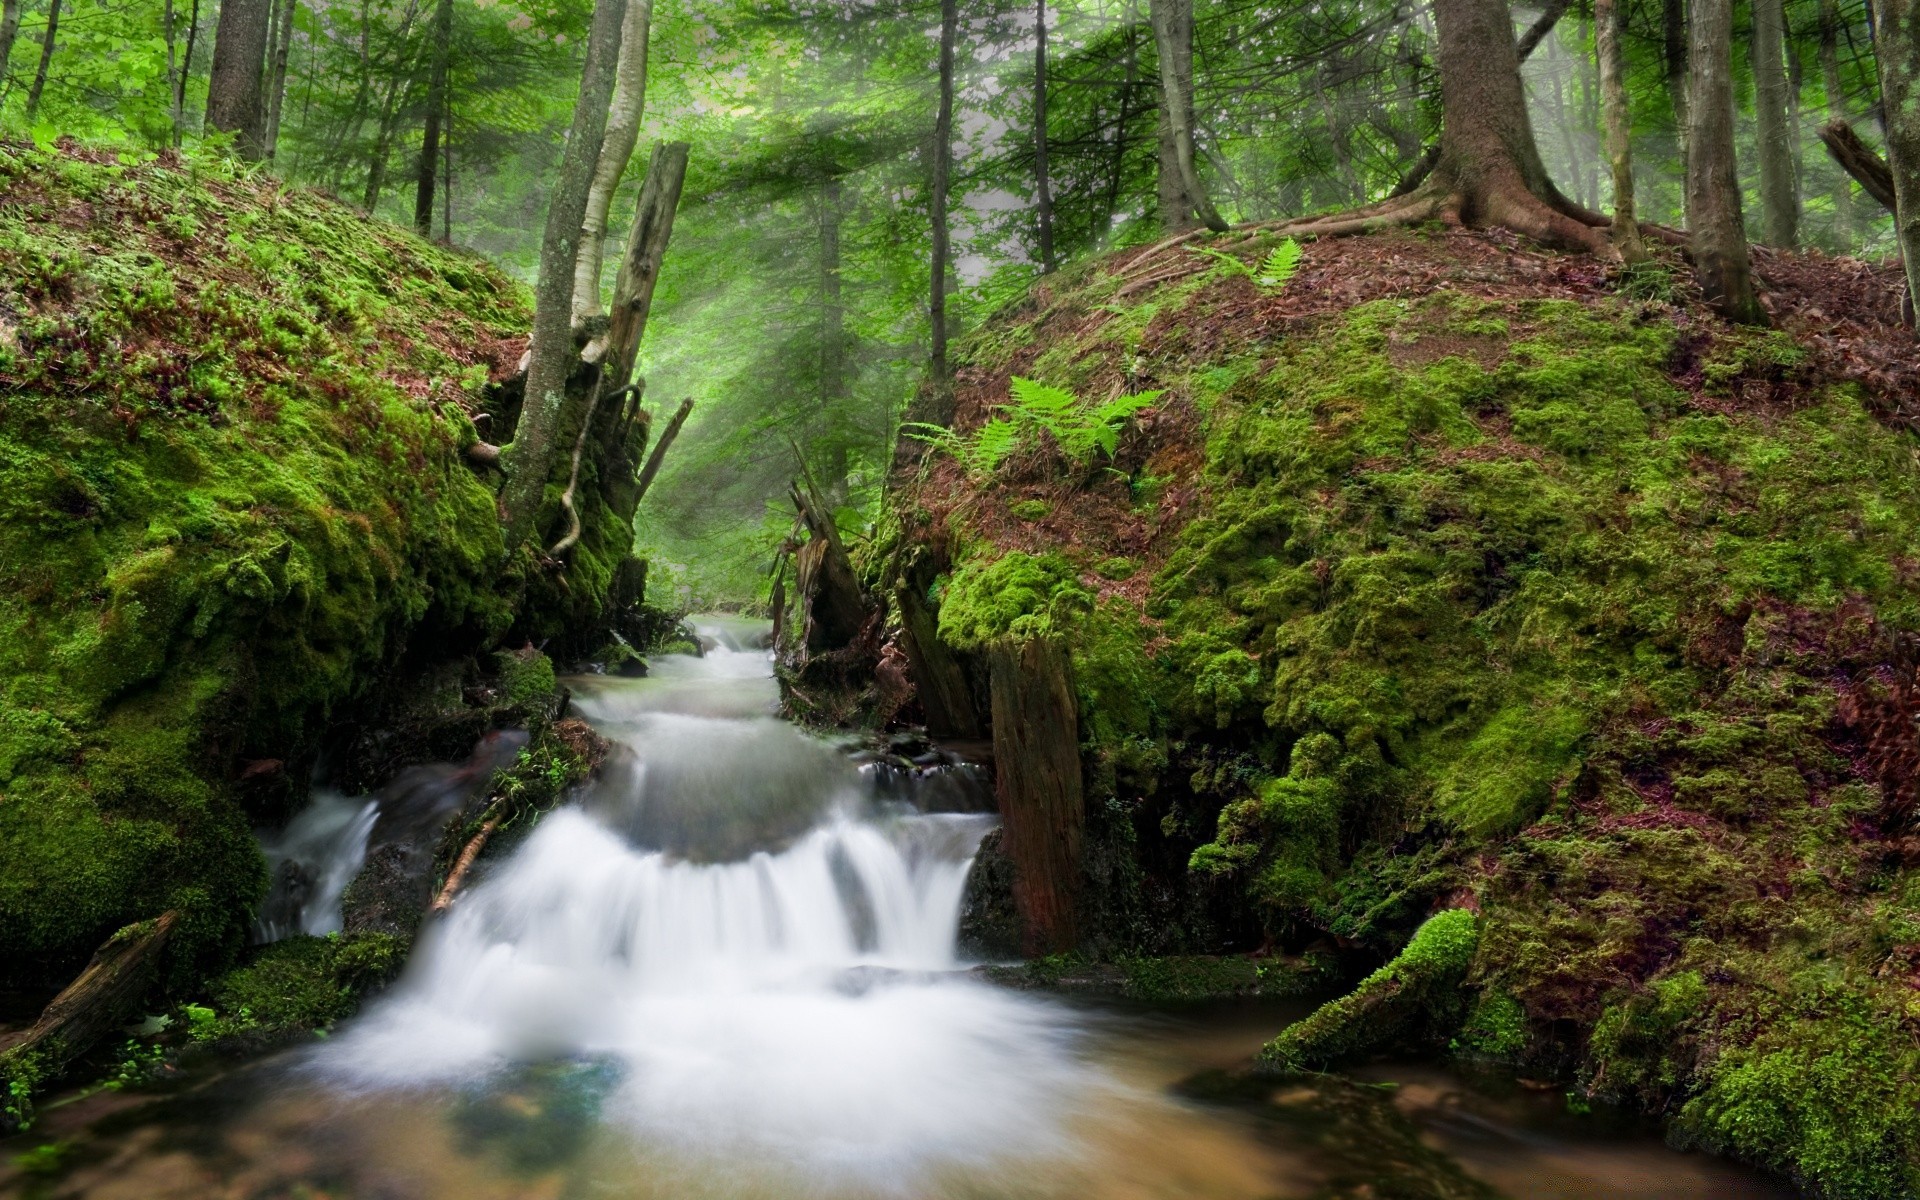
column 1280, row 265
column 1078, row 427
column 1238, row 267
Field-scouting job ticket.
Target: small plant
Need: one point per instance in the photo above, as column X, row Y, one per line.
column 1079, row 427
column 1030, row 510
column 1273, row 272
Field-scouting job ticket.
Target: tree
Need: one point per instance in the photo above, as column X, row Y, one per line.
column 1779, row 189
column 529, row 457
column 1719, row 241
column 1673, row 57
column 1042, row 193
column 46, row 60
column 623, row 131
column 942, row 166
column 239, row 61
column 1897, row 50
column 10, row 31
column 1613, row 100
column 1836, row 111
column 277, row 78
column 429, row 164
column 1182, row 198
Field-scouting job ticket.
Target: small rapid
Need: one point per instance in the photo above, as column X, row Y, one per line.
column 751, row 943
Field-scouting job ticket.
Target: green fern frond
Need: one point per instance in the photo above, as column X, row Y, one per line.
column 1228, row 259
column 1280, row 265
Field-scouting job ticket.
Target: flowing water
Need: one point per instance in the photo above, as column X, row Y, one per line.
column 729, row 971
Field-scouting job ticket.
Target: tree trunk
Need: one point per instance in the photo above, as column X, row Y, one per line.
column 1859, row 160
column 1779, row 191
column 1836, row 113
column 46, row 60
column 239, row 62
column 937, row 202
column 1607, row 22
column 623, row 131
column 1674, row 58
column 429, row 165
column 186, row 75
column 937, row 679
column 11, row 22
column 1173, row 40
column 1042, row 187
column 659, row 454
column 1897, row 49
column 832, row 608
column 833, row 306
column 1116, row 171
column 101, row 998
column 277, row 83
column 1719, row 240
column 10, row 32
column 530, row 457
column 1036, row 755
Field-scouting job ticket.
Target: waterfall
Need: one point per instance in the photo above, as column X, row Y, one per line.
column 751, row 941
column 311, row 863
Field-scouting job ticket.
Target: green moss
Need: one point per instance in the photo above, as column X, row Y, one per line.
column 231, row 496
column 526, row 677
column 305, row 983
column 1413, row 998
column 1030, row 510
column 1496, row 1030
column 1018, row 595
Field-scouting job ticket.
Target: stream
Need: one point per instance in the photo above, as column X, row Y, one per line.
column 729, row 970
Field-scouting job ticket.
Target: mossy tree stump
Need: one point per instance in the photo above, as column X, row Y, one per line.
column 1036, row 751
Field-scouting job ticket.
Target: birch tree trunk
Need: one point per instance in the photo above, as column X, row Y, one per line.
column 1613, row 99
column 623, row 132
column 1173, row 38
column 530, row 456
column 1897, row 50
column 1779, row 191
column 1713, row 185
column 239, row 62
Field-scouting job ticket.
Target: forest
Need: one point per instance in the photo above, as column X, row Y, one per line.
column 873, row 598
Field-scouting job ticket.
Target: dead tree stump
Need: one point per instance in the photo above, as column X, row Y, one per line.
column 1036, row 752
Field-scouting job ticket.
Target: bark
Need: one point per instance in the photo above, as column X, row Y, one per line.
column 1674, row 59
column 233, row 87
column 429, row 165
column 832, row 608
column 619, row 347
column 937, row 203
column 1861, row 161
column 1779, row 190
column 101, row 998
column 623, row 132
column 468, row 855
column 46, row 60
column 277, row 82
column 1897, row 50
column 530, row 457
column 659, row 454
column 10, row 32
column 186, row 73
column 1719, row 241
column 1836, row 114
column 1607, row 22
column 1036, row 754
column 10, row 23
column 938, row 679
column 1042, row 187
column 1172, row 22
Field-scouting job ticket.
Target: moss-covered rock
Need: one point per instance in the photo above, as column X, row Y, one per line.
column 232, row 498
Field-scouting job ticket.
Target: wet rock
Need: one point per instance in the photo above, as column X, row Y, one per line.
column 989, row 923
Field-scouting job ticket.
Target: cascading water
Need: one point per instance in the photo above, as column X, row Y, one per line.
column 756, row 957
column 311, row 862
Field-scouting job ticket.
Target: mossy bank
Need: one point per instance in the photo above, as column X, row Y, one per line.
column 1455, row 576
column 234, row 506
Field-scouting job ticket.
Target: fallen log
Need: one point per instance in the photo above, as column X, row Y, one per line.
column 461, row 866
column 103, row 997
column 1859, row 160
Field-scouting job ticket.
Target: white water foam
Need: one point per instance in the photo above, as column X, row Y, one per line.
column 799, row 1010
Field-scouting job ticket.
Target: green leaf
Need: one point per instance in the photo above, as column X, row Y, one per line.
column 1231, row 261
column 1280, row 265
